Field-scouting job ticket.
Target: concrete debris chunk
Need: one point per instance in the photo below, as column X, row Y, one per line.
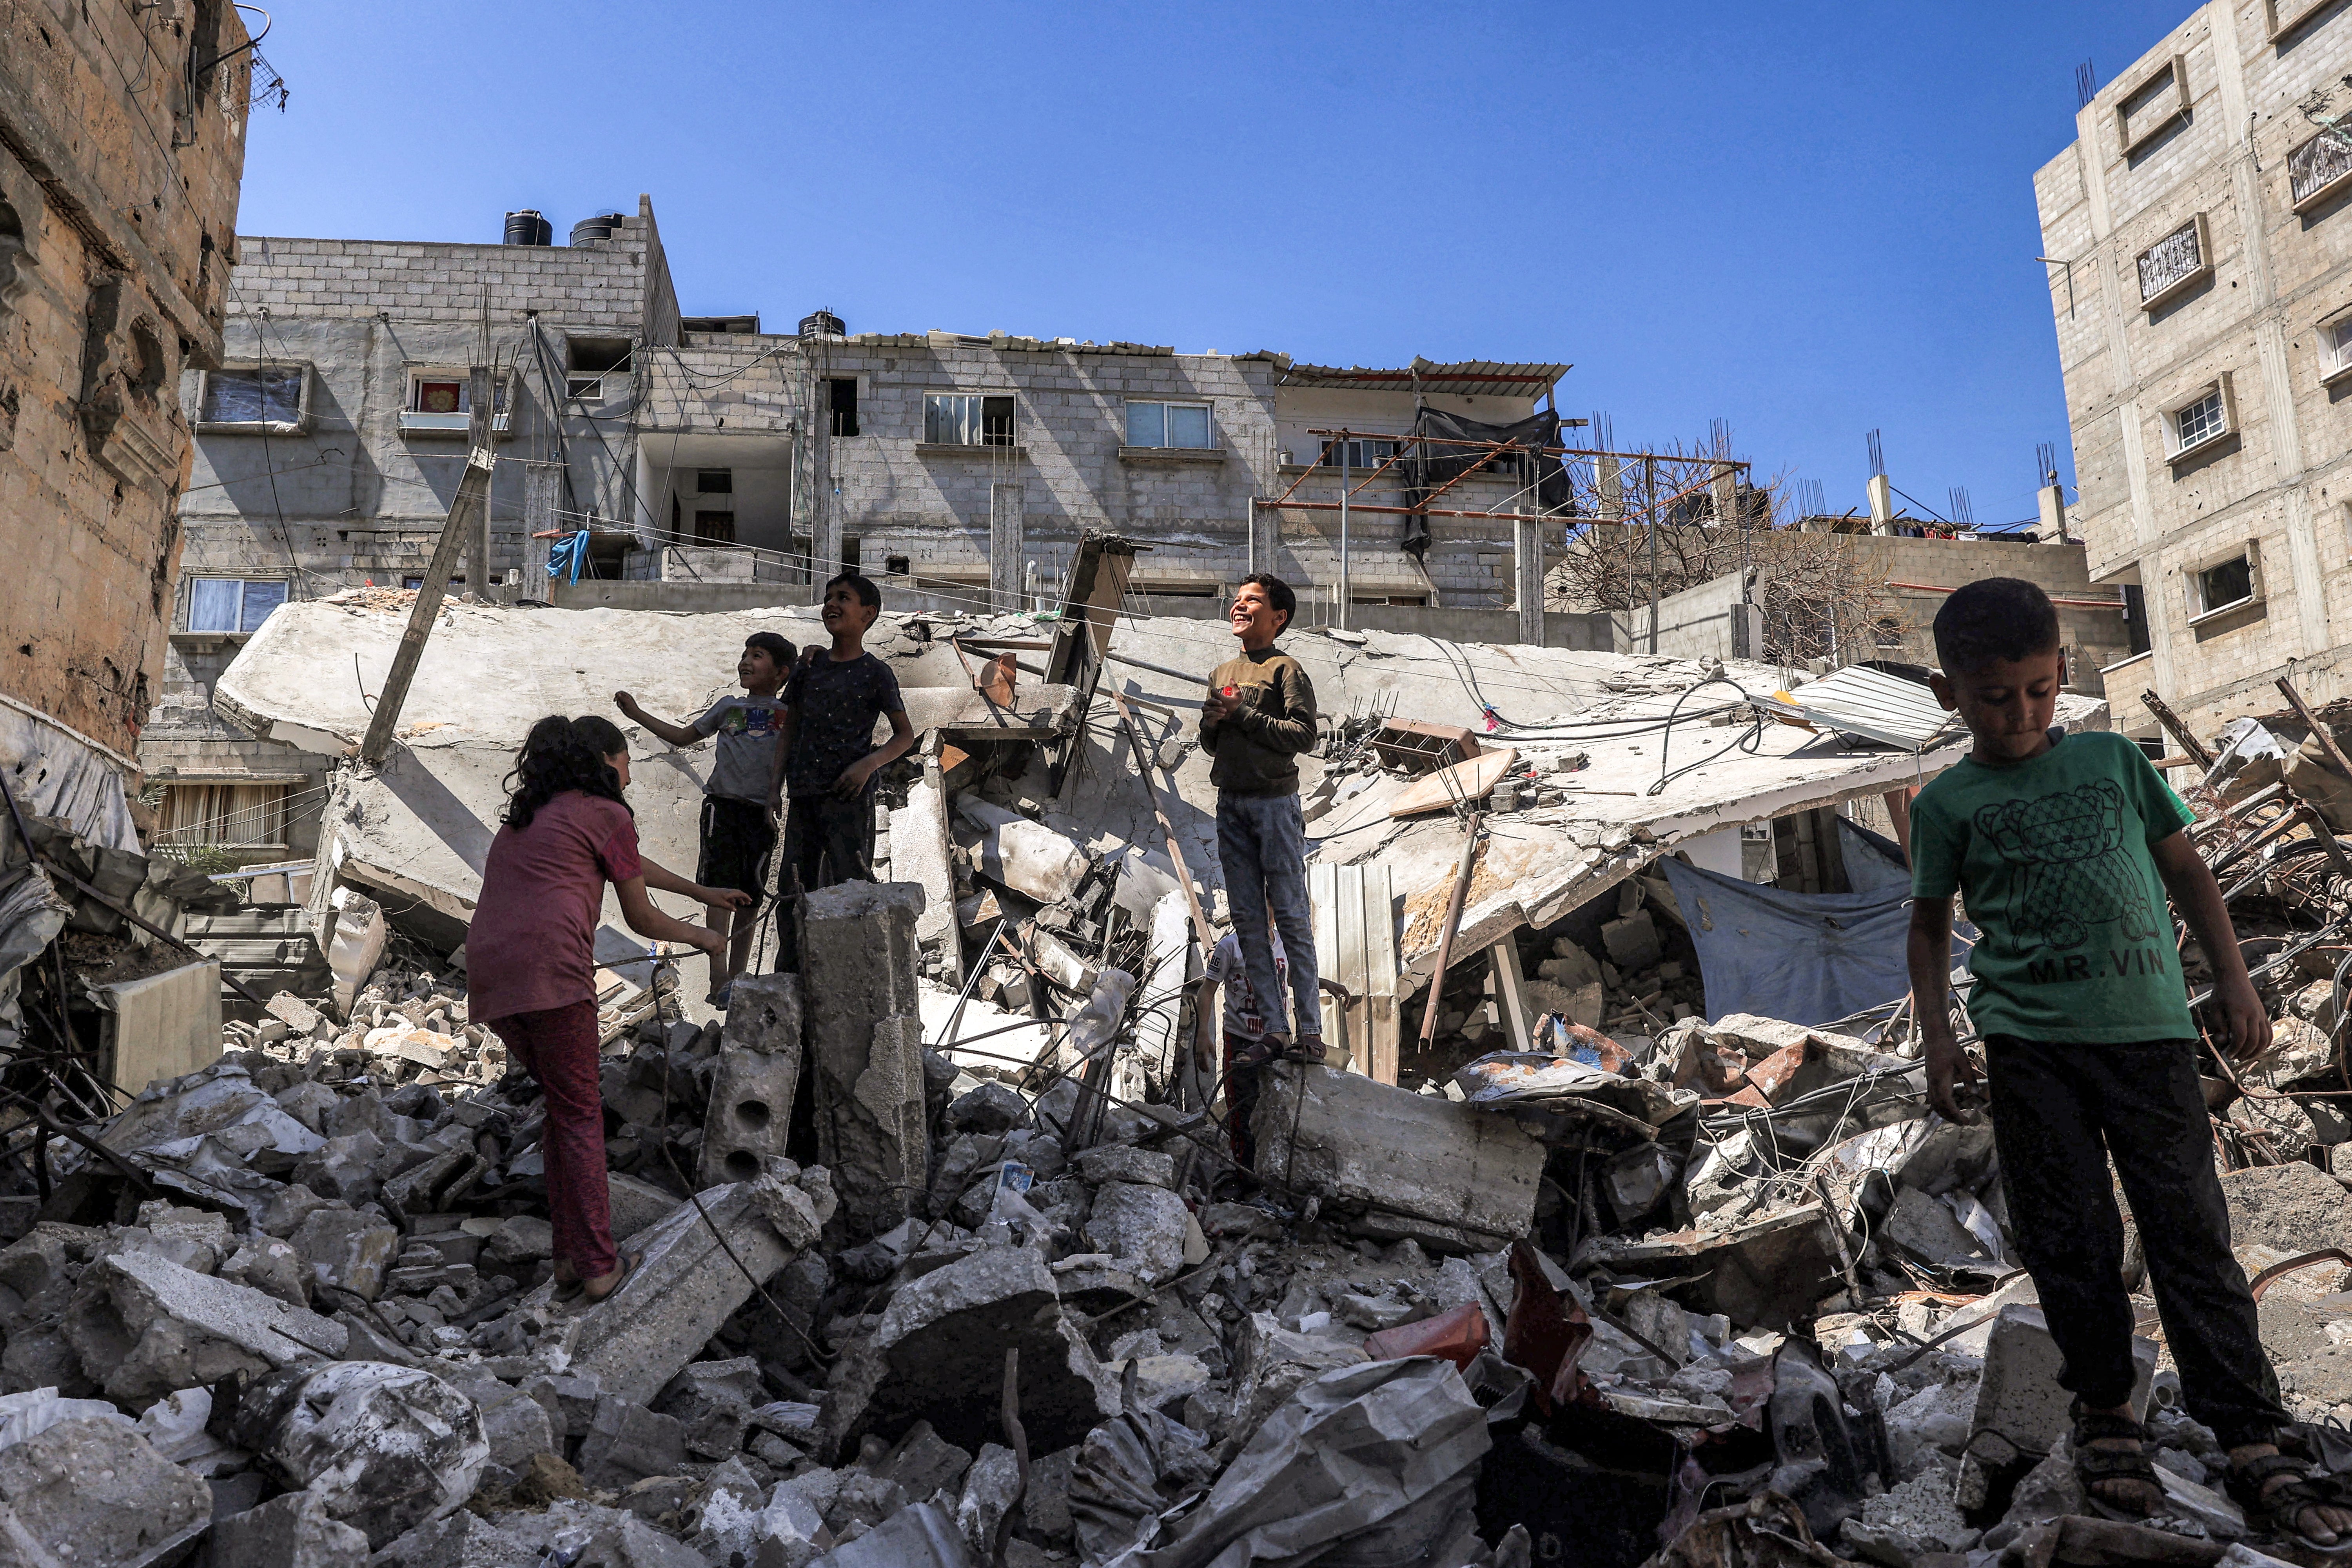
column 988, row 1108
column 347, row 1249
column 627, row 1443
column 863, row 1023
column 2021, row 1410
column 938, row 1355
column 2292, row 1208
column 1144, row 1224
column 386, row 1448
column 642, row 1335
column 291, row 1532
column 144, row 1326
column 751, row 1112
column 99, row 1496
column 1125, row 1162
column 1393, row 1163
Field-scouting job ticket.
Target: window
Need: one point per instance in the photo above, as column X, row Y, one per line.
column 2201, row 421
column 1169, row 425
column 442, row 399
column 2286, row 15
column 2228, row 583
column 254, row 395
column 2150, row 108
column 851, row 548
column 2335, row 349
column 414, row 583
column 236, row 815
column 588, row 361
column 2174, row 265
column 714, row 482
column 2135, row 620
column 714, row 528
column 897, row 565
column 1358, row 454
column 967, row 419
column 841, row 401
column 2318, row 169
column 232, row 604
column 1886, row 631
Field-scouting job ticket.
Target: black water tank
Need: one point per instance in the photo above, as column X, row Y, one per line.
column 601, row 226
column 527, row 227
column 823, row 324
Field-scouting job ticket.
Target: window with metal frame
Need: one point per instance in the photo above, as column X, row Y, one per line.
column 2320, row 168
column 449, row 392
column 232, row 604
column 714, row 482
column 967, row 419
column 2200, row 422
column 2224, row 584
column 1183, row 425
column 253, row 395
column 231, row 816
column 2335, row 349
column 1358, row 454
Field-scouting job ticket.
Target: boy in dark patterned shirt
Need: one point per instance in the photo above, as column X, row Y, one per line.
column 828, row 759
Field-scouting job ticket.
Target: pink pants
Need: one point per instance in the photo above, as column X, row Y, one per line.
column 558, row 1047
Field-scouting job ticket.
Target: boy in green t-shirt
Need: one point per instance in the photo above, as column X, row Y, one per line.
column 2064, row 847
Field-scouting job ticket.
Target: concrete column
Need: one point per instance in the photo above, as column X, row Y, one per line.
column 1611, row 479
column 1264, row 537
column 543, row 490
column 1881, row 503
column 1006, row 548
column 1527, row 576
column 864, row 1027
column 758, row 1073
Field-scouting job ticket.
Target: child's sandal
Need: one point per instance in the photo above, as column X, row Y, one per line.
column 2250, row 1486
column 2096, row 1467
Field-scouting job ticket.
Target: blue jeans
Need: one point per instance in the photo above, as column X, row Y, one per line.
column 1262, row 844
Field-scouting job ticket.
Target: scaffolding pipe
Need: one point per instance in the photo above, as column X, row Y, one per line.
column 1342, row 614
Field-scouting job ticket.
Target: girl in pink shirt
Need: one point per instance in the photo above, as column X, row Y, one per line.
column 530, row 960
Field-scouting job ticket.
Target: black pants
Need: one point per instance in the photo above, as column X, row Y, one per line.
column 826, row 841
column 2059, row 1111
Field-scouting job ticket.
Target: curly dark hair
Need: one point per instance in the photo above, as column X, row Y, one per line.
column 561, row 754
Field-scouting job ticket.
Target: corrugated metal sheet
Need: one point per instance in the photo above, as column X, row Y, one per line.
column 1865, row 703
column 1478, row 377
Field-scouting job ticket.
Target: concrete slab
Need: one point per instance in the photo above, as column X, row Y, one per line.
column 1392, row 1164
column 751, row 1112
column 145, row 1327
column 919, row 854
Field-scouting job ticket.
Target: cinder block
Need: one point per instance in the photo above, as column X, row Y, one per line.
column 751, row 1112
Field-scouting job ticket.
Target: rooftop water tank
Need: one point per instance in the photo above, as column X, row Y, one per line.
column 601, row 226
column 528, row 227
column 823, row 324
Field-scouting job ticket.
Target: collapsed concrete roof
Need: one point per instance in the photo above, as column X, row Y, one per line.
column 417, row 828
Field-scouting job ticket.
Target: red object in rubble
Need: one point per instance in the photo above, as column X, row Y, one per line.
column 1456, row 1335
column 1545, row 1332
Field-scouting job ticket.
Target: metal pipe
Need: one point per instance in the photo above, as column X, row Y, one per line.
column 1341, row 618
column 1649, row 493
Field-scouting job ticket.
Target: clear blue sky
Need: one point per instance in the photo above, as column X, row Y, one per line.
column 1806, row 219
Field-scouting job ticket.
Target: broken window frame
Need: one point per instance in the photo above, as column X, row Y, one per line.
column 971, row 419
column 2203, row 576
column 244, row 610
column 223, row 813
column 210, row 383
column 840, row 413
column 714, row 527
column 1157, row 416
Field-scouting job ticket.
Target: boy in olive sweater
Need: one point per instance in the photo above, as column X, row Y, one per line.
column 1259, row 715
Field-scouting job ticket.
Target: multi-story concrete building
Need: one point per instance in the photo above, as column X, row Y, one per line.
column 121, row 150
column 2198, row 240
column 695, row 462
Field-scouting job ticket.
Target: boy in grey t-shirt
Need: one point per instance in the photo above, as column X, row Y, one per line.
column 738, row 830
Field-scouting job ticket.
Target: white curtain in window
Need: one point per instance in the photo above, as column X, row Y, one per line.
column 259, row 599
column 1147, row 424
column 214, row 604
column 1188, row 425
column 249, row 396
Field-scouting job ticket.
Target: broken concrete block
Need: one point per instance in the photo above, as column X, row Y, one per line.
column 764, row 1014
column 97, row 1495
column 1045, row 1506
column 989, row 1488
column 637, row 1204
column 516, row 1426
column 347, row 1249
column 144, row 1326
column 923, row 1462
column 989, row 1109
column 1126, row 1162
column 1130, row 1220
column 386, row 1448
column 1633, row 941
column 1027, row 857
column 1926, row 1230
column 639, row 1337
column 568, row 1397
column 627, row 1443
column 1273, row 1362
column 343, row 1168
column 291, row 1532
column 521, row 1239
column 919, row 849
column 865, row 1034
column 1391, row 1163
column 939, row 1353
column 2021, row 1411
column 2292, row 1208
column 712, row 1401
column 272, row 1267
column 750, row 1111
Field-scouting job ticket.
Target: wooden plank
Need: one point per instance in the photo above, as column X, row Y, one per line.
column 1511, row 992
column 1352, row 972
column 1382, row 1020
column 1472, row 780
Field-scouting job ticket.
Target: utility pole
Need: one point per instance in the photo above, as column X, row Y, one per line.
column 469, row 508
column 1340, row 618
column 481, row 428
column 1650, row 504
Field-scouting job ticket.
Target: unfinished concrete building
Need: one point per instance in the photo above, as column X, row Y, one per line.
column 117, row 213
column 2199, row 241
column 330, row 440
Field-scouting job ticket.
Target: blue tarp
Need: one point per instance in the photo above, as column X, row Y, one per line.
column 1805, row 958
